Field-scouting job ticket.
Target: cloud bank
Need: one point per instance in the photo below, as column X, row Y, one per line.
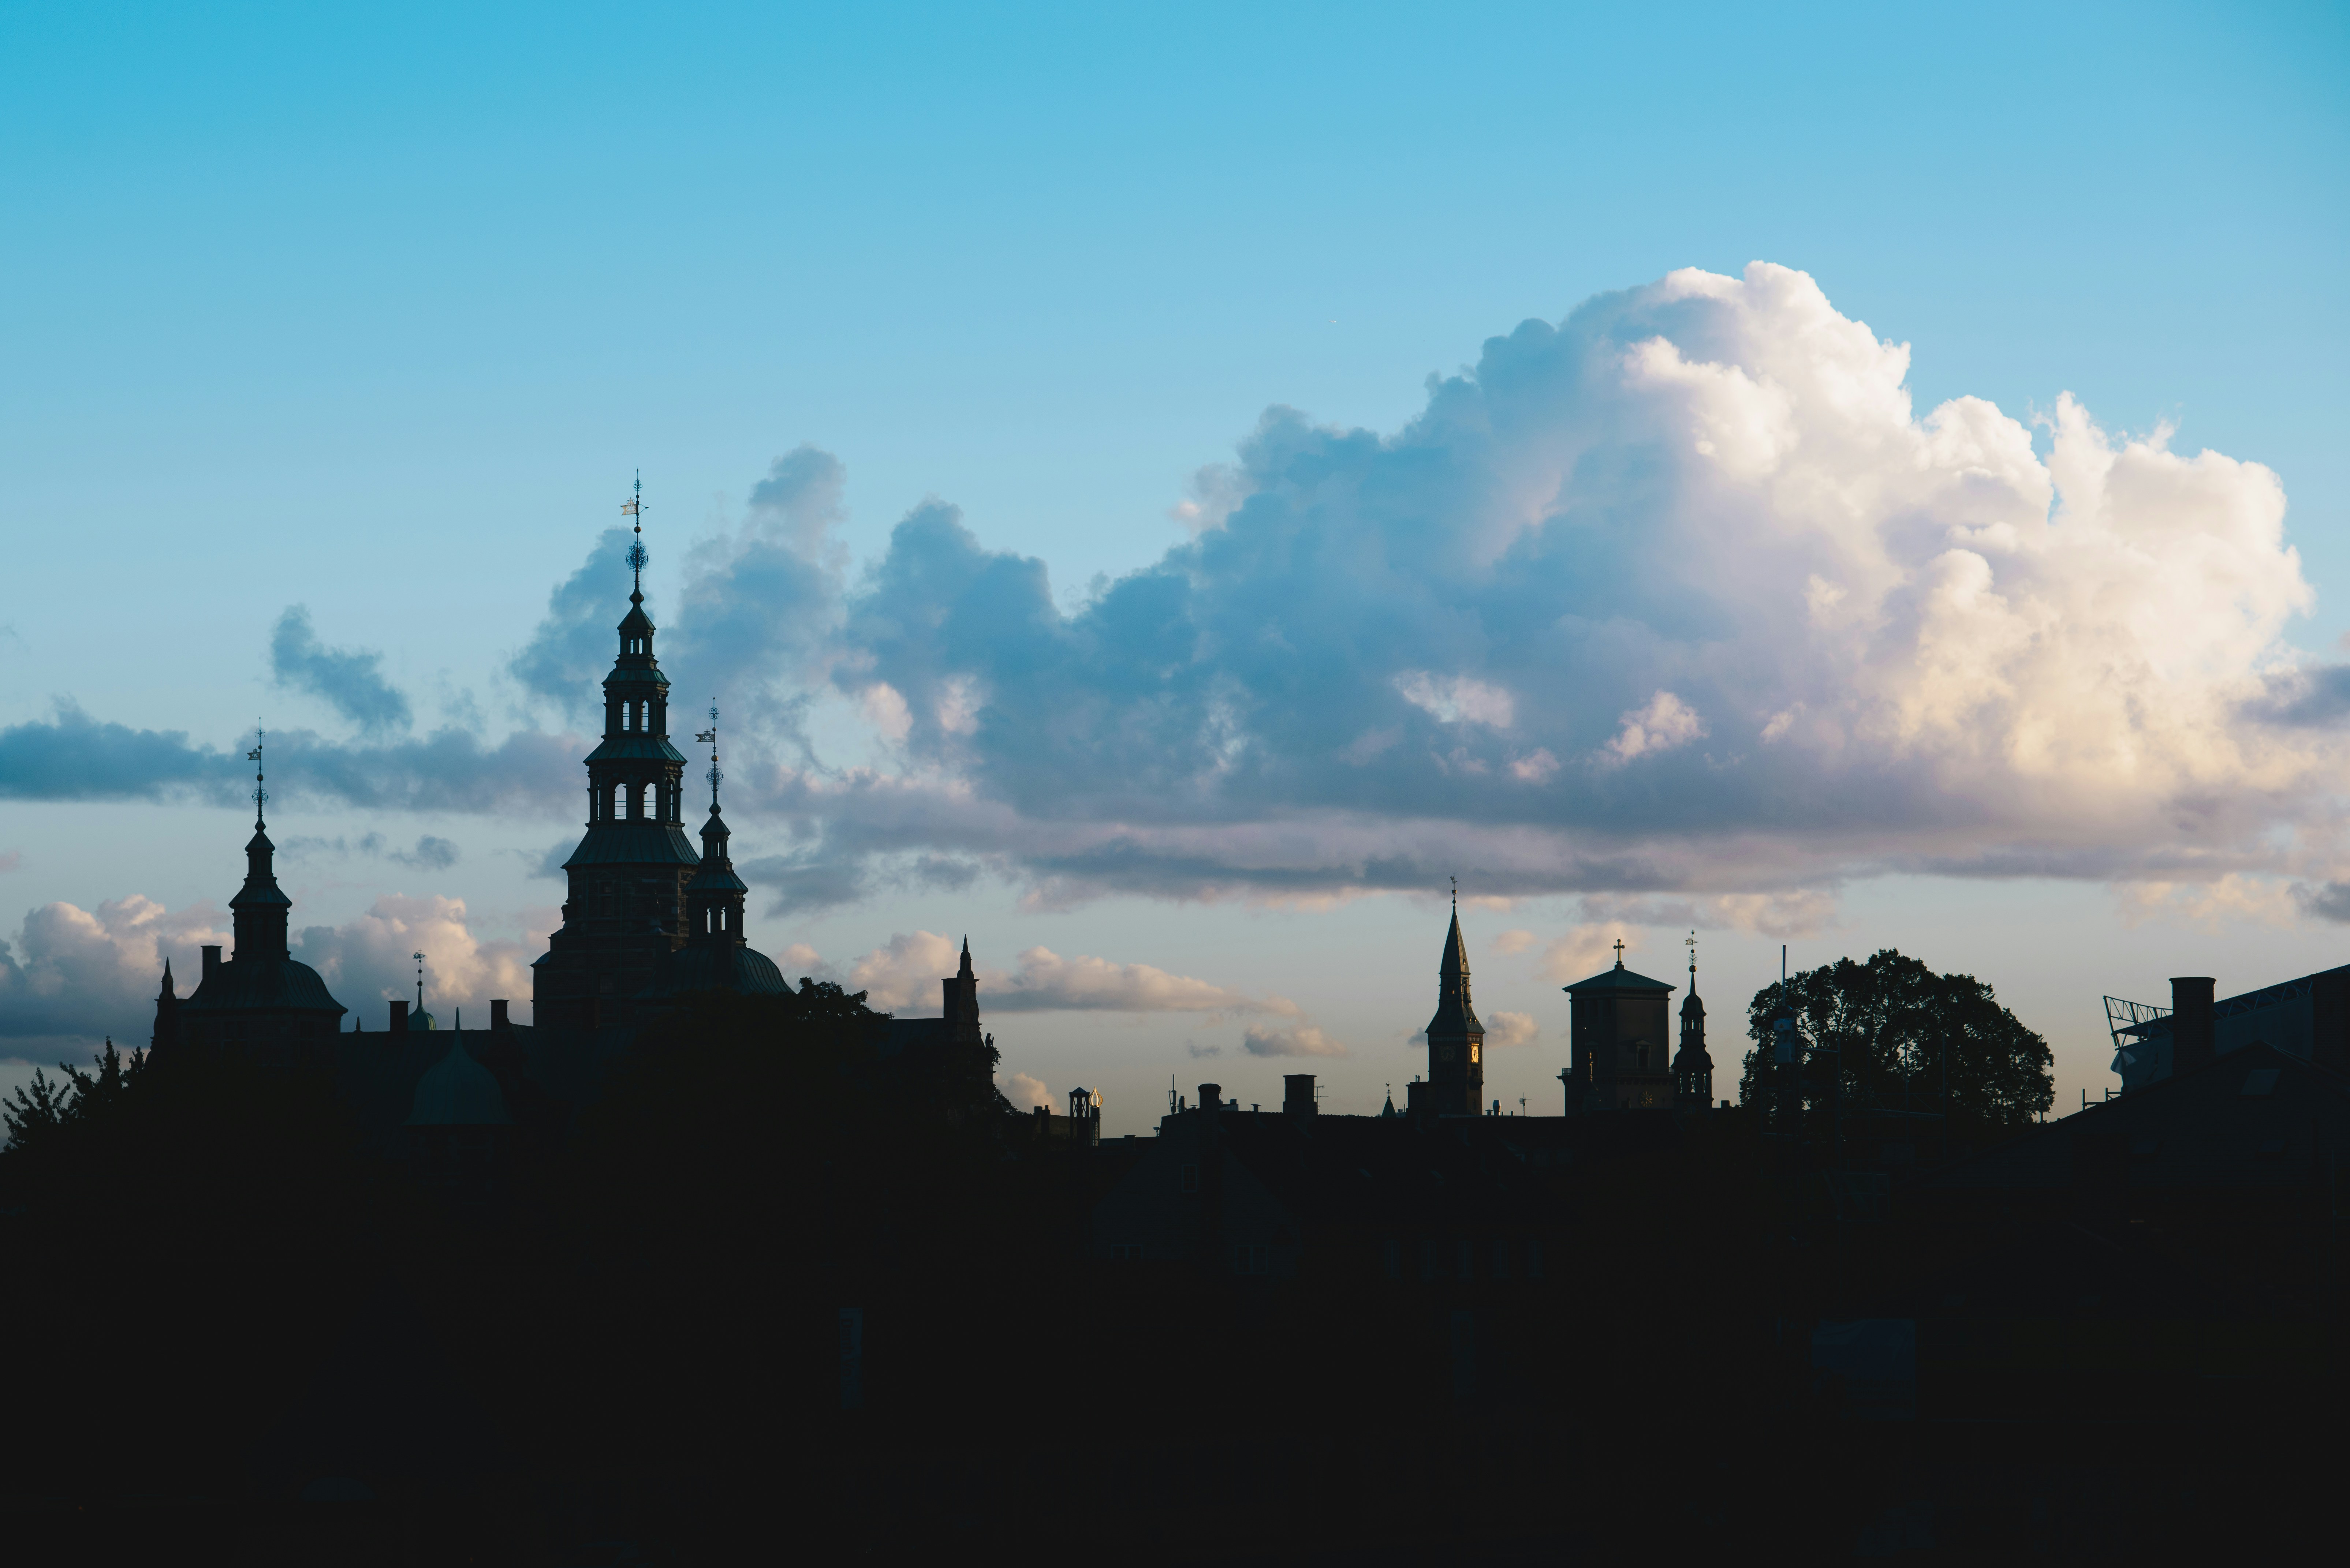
column 903, row 977
column 1678, row 594
column 70, row 975
column 1679, row 602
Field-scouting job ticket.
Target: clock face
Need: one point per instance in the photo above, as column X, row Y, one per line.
column 1473, row 1055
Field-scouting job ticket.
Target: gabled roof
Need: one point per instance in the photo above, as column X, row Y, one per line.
column 1618, row 979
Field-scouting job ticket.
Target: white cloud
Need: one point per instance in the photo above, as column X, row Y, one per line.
column 1585, row 950
column 885, row 709
column 1300, row 1039
column 1510, row 942
column 1457, row 699
column 1506, row 1029
column 1026, row 1093
column 73, row 975
column 906, row 974
column 365, row 962
column 1666, row 722
column 1705, row 508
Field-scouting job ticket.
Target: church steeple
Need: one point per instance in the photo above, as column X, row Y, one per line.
column 627, row 909
column 1456, row 1040
column 715, row 898
column 260, row 908
column 1692, row 1067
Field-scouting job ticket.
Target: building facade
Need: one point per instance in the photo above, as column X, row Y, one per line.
column 1617, row 1037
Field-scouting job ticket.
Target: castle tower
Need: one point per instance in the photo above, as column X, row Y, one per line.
column 1693, row 1068
column 260, row 996
column 717, row 956
column 1616, row 1036
column 625, row 912
column 1456, row 1041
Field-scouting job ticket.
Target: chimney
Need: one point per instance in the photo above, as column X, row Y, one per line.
column 1297, row 1093
column 498, row 1019
column 2329, row 1005
column 400, row 1018
column 1211, row 1096
column 2191, row 1044
column 211, row 961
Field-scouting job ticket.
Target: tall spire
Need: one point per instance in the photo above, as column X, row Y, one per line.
column 710, row 737
column 260, row 906
column 634, row 508
column 254, row 756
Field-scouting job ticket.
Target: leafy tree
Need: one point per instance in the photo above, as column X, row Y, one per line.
column 37, row 1114
column 1896, row 1035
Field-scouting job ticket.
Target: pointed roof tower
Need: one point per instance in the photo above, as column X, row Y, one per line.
column 717, row 956
column 261, row 995
column 1456, row 1040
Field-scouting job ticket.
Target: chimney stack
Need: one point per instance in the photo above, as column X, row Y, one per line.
column 1211, row 1097
column 1297, row 1093
column 211, row 961
column 400, row 1018
column 498, row 1019
column 2191, row 1023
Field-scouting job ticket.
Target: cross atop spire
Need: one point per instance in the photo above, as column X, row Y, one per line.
column 634, row 506
column 254, row 756
column 1619, row 952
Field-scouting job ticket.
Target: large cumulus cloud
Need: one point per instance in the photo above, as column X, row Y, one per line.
column 1680, row 594
column 1677, row 604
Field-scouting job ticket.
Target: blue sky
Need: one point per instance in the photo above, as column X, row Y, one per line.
column 377, row 315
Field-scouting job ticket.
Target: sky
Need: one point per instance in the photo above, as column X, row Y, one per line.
column 1159, row 491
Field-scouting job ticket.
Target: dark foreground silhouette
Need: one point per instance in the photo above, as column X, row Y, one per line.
column 234, row 1333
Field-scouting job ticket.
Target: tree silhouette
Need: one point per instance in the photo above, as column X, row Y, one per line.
column 1900, row 1037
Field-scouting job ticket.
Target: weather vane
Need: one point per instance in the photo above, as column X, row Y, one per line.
column 634, row 506
column 711, row 735
column 254, row 756
column 1690, row 942
column 1456, row 890
column 420, row 981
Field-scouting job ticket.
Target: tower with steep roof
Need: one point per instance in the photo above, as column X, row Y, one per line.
column 717, row 955
column 1693, row 1068
column 260, row 996
column 960, row 1000
column 1456, row 1041
column 625, row 912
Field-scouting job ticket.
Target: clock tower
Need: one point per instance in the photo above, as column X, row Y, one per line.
column 1456, row 1041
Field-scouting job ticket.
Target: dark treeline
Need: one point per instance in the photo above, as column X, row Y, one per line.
column 635, row 1353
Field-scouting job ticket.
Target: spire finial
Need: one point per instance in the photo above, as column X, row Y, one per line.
column 634, row 506
column 420, row 981
column 1690, row 943
column 1456, row 893
column 1619, row 952
column 711, row 736
column 254, row 756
